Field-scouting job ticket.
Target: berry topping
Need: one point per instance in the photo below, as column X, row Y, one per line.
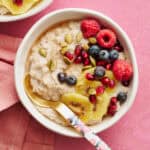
column 86, row 62
column 106, row 38
column 84, row 54
column 61, row 77
column 111, row 84
column 18, row 2
column 122, row 70
column 78, row 60
column 90, row 27
column 105, row 81
column 92, row 99
column 69, row 55
column 99, row 72
column 104, row 55
column 108, row 66
column 101, row 63
column 78, row 50
column 125, row 83
column 89, row 76
column 94, row 51
column 100, row 90
column 122, row 97
column 71, row 80
column 112, row 109
column 113, row 101
column 114, row 55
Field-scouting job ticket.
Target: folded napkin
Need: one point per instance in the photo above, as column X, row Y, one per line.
column 18, row 130
column 8, row 48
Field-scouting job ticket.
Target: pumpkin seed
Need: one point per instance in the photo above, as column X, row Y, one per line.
column 92, row 40
column 68, row 38
column 42, row 52
column 51, row 65
column 63, row 44
column 85, row 46
column 64, row 50
column 79, row 37
column 86, row 67
column 93, row 62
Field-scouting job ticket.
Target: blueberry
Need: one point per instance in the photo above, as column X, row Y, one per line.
column 104, row 55
column 71, row 80
column 113, row 55
column 99, row 72
column 61, row 77
column 122, row 97
column 94, row 51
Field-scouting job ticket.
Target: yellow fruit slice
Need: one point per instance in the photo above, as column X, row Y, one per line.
column 101, row 107
column 79, row 104
column 15, row 9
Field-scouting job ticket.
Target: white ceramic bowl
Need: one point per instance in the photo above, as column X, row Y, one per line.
column 33, row 34
column 35, row 10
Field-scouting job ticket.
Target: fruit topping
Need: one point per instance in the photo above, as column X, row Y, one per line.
column 99, row 72
column 94, row 51
column 89, row 76
column 86, row 62
column 69, row 55
column 90, row 27
column 92, row 99
column 122, row 97
column 122, row 70
column 62, row 77
column 114, row 55
column 104, row 55
column 112, row 109
column 100, row 90
column 71, row 80
column 78, row 60
column 78, row 50
column 84, row 54
column 105, row 81
column 106, row 38
column 18, row 2
column 111, row 84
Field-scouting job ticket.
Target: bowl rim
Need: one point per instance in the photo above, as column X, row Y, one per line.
column 37, row 9
column 134, row 63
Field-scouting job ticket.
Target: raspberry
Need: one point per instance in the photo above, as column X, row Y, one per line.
column 90, row 27
column 122, row 70
column 106, row 38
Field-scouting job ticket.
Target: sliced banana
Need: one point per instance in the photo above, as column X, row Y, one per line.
column 79, row 104
column 15, row 9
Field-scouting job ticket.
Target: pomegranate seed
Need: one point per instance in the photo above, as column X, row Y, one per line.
column 93, row 99
column 108, row 66
column 118, row 48
column 78, row 50
column 113, row 101
column 112, row 109
column 18, row 2
column 69, row 55
column 100, row 90
column 101, row 63
column 89, row 76
column 84, row 54
column 111, row 84
column 86, row 62
column 105, row 81
column 78, row 60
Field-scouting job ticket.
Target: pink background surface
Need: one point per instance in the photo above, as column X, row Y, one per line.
column 133, row 130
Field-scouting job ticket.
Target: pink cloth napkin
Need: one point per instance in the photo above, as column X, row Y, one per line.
column 8, row 48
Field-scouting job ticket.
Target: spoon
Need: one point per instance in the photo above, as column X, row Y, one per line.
column 67, row 114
